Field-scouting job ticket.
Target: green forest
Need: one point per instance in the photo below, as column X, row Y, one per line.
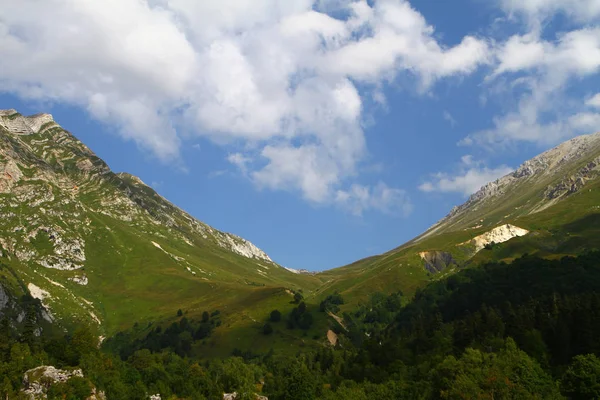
column 525, row 330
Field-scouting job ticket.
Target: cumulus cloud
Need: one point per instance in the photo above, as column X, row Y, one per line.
column 277, row 78
column 469, row 178
column 380, row 197
column 594, row 101
column 539, row 72
column 448, row 117
column 538, row 10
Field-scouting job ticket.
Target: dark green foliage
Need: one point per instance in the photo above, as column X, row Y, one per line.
column 179, row 313
column 331, row 303
column 582, row 378
column 178, row 337
column 300, row 318
column 498, row 331
column 490, row 246
column 298, row 297
column 74, row 389
column 267, row 329
column 275, row 316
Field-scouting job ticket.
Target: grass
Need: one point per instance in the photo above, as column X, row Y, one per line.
column 131, row 280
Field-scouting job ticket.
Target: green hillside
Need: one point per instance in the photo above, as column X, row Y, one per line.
column 106, row 249
column 555, row 197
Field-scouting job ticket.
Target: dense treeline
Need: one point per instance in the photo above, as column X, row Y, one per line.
column 528, row 330
column 178, row 337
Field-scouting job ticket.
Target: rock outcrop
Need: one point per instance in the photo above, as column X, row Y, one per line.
column 499, row 234
column 437, row 261
column 57, row 197
column 37, row 381
column 550, row 176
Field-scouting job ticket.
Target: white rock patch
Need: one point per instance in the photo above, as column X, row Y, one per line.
column 80, row 280
column 95, row 318
column 38, row 293
column 42, row 295
column 54, row 283
column 499, row 234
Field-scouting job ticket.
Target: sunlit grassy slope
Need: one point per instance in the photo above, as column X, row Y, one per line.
column 143, row 258
column 555, row 196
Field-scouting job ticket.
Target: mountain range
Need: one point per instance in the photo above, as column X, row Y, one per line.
column 105, row 248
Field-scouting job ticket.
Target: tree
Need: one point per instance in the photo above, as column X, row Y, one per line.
column 298, row 297
column 582, row 378
column 508, row 374
column 302, row 308
column 179, row 313
column 306, row 321
column 299, row 382
column 267, row 329
column 275, row 316
column 205, row 317
column 84, row 341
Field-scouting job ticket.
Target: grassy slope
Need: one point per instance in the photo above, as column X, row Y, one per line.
column 568, row 227
column 130, row 279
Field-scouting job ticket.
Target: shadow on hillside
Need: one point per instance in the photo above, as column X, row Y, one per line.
column 589, row 222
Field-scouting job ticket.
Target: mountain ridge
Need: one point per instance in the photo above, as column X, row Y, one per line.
column 548, row 206
column 83, row 239
column 103, row 247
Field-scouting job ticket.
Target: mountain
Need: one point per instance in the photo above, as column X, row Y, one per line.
column 549, row 206
column 104, row 248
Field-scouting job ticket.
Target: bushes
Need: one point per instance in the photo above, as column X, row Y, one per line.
column 331, row 303
column 275, row 316
column 267, row 329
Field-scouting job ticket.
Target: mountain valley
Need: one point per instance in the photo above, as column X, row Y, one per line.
column 82, row 245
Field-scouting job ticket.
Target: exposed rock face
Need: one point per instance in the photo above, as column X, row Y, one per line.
column 10, row 174
column 37, row 381
column 548, row 170
column 42, row 295
column 69, row 192
column 80, row 280
column 574, row 183
column 20, row 125
column 4, row 299
column 437, row 261
column 301, row 271
column 332, row 337
column 499, row 234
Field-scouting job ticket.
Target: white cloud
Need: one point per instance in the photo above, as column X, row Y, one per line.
column 448, row 117
column 539, row 72
column 593, row 101
column 471, row 176
column 240, row 161
column 273, row 76
column 382, row 198
column 538, row 10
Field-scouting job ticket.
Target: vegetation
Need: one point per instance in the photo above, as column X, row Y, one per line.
column 527, row 330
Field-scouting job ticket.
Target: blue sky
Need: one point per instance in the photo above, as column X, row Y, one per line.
column 322, row 131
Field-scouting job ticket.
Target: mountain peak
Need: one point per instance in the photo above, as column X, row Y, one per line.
column 18, row 124
column 544, row 179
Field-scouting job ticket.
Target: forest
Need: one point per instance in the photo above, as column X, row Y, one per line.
column 525, row 330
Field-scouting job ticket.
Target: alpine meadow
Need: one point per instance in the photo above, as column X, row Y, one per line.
column 323, row 131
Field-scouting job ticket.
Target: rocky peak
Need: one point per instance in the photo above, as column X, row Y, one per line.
column 18, row 124
column 561, row 171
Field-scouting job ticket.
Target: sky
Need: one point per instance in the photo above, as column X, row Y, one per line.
column 324, row 131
